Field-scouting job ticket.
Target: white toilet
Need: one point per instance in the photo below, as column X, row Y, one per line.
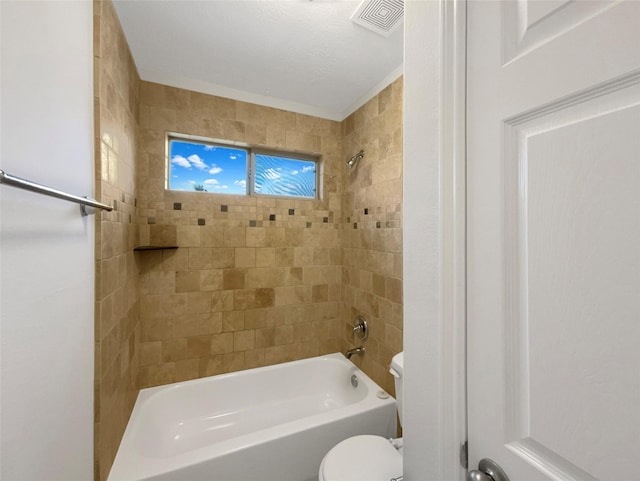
column 367, row 457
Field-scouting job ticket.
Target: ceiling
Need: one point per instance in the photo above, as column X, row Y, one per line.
column 299, row 55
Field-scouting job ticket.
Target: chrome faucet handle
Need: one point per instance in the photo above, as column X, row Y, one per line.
column 360, row 328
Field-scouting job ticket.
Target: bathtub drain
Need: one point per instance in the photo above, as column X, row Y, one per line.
column 354, row 380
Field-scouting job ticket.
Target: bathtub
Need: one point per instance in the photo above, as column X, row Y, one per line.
column 272, row 423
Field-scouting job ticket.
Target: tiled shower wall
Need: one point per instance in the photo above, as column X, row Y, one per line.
column 255, row 280
column 117, row 329
column 244, row 291
column 372, row 243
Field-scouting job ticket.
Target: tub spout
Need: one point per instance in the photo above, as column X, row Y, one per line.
column 356, row 350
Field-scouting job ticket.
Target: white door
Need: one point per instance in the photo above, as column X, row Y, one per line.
column 553, row 159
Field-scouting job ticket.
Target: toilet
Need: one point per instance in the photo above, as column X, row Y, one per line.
column 368, row 457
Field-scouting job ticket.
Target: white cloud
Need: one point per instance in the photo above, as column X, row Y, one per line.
column 209, row 147
column 197, row 162
column 243, row 183
column 308, row 168
column 211, row 182
column 295, row 172
column 215, row 169
column 181, row 161
column 271, row 174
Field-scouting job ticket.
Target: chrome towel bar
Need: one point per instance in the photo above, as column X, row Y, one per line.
column 25, row 184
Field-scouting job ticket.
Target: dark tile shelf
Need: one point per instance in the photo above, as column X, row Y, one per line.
column 153, row 248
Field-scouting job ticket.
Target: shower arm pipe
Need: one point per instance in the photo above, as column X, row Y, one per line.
column 353, row 161
column 25, row 184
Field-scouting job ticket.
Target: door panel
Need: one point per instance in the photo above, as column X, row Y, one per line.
column 529, row 24
column 570, row 202
column 553, row 228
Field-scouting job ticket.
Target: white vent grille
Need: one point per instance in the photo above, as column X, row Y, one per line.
column 380, row 16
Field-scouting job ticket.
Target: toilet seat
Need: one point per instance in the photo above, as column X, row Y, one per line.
column 361, row 458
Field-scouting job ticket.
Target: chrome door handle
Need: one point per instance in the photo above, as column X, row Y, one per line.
column 488, row 470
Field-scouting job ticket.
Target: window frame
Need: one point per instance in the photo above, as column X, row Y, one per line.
column 251, row 150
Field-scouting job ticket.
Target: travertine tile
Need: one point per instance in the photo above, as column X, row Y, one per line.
column 222, row 257
column 243, row 340
column 256, row 236
column 234, row 236
column 320, row 293
column 211, row 236
column 393, row 289
column 198, row 324
column 163, row 235
column 233, row 321
column 303, row 256
column 265, row 337
column 254, row 358
column 188, row 236
column 150, row 353
column 199, row 346
column 187, row 369
column 161, row 118
column 156, row 374
column 264, row 297
column 233, row 278
column 197, row 303
column 233, row 361
column 221, row 301
column 221, row 343
column 256, row 278
column 210, row 279
column 245, row 257
column 283, row 335
column 296, row 140
column 156, row 329
column 173, row 259
column 174, row 349
column 160, row 282
column 371, row 280
column 211, row 366
column 224, row 108
column 118, row 353
column 187, row 281
column 284, row 256
column 278, row 354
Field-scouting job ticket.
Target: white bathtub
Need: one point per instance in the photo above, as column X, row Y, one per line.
column 273, row 423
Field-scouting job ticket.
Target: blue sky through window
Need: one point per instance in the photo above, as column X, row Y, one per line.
column 209, row 168
column 276, row 175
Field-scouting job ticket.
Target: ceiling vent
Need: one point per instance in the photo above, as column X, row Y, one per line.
column 380, row 16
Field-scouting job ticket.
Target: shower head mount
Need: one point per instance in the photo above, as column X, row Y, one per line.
column 353, row 161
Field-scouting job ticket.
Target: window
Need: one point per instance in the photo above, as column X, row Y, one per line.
column 208, row 166
column 287, row 176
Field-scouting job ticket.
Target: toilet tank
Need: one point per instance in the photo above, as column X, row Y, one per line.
column 397, row 370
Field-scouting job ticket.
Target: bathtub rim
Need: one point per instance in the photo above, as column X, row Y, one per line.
column 139, row 466
column 146, row 393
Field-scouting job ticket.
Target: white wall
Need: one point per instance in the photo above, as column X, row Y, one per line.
column 47, row 248
column 422, row 242
column 433, row 240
